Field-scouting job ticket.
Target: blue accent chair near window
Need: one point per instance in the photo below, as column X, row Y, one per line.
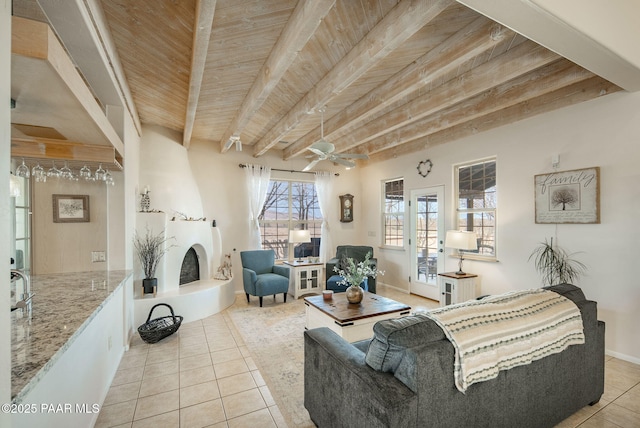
column 261, row 276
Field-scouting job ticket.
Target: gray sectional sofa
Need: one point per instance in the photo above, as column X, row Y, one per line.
column 342, row 390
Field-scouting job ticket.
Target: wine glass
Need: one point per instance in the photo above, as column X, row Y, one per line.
column 66, row 172
column 100, row 173
column 39, row 174
column 53, row 171
column 85, row 173
column 108, row 178
column 22, row 170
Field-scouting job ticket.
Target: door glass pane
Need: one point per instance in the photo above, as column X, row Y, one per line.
column 427, row 238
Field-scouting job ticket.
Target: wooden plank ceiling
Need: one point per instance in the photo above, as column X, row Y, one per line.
column 395, row 76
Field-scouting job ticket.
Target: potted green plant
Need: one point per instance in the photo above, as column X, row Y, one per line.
column 555, row 265
column 150, row 248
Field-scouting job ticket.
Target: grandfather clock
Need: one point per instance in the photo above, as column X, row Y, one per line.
column 346, row 208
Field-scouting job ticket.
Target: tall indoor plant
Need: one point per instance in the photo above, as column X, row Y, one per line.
column 150, row 248
column 555, row 265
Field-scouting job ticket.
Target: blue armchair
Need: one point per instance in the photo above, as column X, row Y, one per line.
column 261, row 276
column 357, row 253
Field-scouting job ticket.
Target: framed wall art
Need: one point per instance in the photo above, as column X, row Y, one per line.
column 568, row 196
column 70, row 208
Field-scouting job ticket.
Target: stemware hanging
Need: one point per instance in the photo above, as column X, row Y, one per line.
column 39, row 174
column 100, row 173
column 22, row 170
column 65, row 172
column 85, row 173
column 53, row 171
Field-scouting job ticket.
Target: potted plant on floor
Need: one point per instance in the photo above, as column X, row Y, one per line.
column 555, row 265
column 150, row 248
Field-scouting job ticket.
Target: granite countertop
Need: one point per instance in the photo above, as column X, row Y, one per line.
column 63, row 305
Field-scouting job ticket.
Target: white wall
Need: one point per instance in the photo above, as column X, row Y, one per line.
column 602, row 132
column 5, row 155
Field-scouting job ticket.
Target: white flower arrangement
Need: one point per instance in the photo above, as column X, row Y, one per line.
column 354, row 274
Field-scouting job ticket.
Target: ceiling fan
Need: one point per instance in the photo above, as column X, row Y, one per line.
column 324, row 151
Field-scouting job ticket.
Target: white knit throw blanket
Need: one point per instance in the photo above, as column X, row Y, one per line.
column 507, row 330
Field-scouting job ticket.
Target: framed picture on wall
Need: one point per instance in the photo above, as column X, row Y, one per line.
column 568, row 196
column 70, row 208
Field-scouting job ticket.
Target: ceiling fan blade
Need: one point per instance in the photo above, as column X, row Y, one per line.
column 352, row 156
column 311, row 165
column 346, row 163
column 316, row 151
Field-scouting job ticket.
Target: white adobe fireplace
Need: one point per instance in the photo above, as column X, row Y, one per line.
column 174, row 195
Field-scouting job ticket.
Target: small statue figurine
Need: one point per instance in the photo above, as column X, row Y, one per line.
column 145, row 200
column 224, row 271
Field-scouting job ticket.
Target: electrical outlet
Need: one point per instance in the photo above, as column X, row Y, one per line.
column 98, row 256
column 371, row 233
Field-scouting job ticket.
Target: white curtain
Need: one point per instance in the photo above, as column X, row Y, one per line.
column 324, row 183
column 257, row 185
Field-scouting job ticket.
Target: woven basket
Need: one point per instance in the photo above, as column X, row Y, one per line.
column 157, row 329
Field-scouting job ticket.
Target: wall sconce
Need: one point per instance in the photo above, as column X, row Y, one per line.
column 461, row 240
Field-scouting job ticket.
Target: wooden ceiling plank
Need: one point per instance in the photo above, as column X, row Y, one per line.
column 302, row 24
column 518, row 61
column 569, row 95
column 558, row 75
column 43, row 148
column 481, row 36
column 396, row 27
column 205, row 11
column 35, row 40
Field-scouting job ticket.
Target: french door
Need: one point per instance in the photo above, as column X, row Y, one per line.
column 427, row 241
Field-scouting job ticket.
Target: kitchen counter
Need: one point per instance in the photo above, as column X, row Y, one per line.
column 63, row 306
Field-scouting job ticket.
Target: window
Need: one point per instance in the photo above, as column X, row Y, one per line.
column 393, row 212
column 290, row 205
column 477, row 203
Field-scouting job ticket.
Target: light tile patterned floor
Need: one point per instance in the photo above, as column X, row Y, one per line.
column 204, row 376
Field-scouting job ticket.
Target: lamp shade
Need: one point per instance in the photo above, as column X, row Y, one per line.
column 298, row 236
column 461, row 240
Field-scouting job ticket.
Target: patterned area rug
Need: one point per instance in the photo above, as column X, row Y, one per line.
column 274, row 336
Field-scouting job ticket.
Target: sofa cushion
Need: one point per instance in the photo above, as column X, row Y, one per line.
column 392, row 337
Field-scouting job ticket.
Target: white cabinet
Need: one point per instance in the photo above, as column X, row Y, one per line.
column 456, row 288
column 305, row 278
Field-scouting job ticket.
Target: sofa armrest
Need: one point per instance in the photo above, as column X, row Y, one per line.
column 341, row 390
column 281, row 270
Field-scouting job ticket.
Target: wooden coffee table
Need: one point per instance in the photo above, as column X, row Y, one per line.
column 352, row 322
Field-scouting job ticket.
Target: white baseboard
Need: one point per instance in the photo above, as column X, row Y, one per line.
column 623, row 357
column 400, row 290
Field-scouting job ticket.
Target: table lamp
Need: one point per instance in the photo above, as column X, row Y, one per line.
column 299, row 237
column 461, row 240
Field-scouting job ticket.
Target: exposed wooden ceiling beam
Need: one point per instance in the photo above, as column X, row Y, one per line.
column 481, row 36
column 43, row 148
column 304, row 21
column 396, row 27
column 205, row 10
column 557, row 75
column 567, row 96
column 518, row 61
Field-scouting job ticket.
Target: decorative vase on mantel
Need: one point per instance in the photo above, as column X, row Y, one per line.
column 149, row 285
column 355, row 293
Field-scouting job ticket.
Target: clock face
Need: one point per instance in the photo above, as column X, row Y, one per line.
column 347, row 203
